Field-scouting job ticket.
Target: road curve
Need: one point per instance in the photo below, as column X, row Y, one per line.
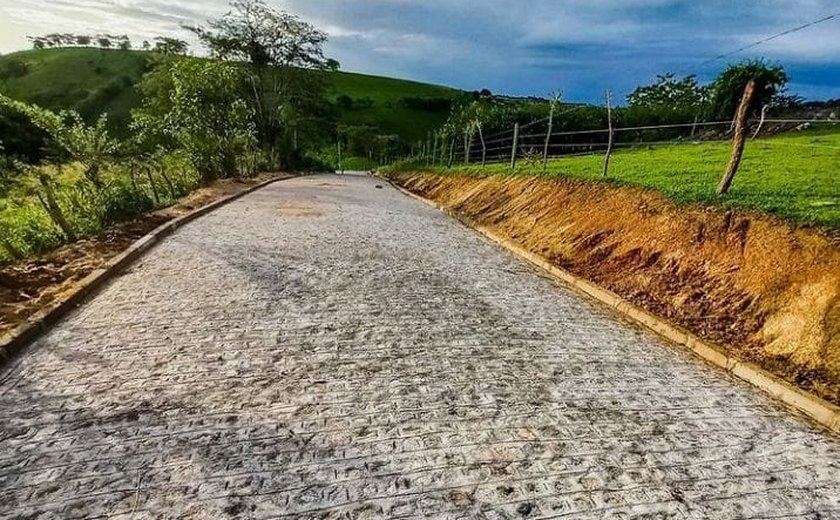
column 329, row 348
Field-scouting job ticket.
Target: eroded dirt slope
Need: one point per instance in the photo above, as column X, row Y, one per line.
column 762, row 288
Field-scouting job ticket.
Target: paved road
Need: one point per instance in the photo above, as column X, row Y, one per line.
column 326, row 349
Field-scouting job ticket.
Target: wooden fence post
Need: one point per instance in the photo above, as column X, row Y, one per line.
column 483, row 146
column 467, row 148
column 610, row 134
column 435, row 151
column 554, row 101
column 739, row 140
column 451, row 152
column 515, row 146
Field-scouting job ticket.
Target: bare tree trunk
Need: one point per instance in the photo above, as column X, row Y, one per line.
column 740, row 139
column 548, row 136
column 171, row 186
column 54, row 209
column 152, row 182
column 451, row 153
column 133, row 175
column 10, row 248
column 764, row 110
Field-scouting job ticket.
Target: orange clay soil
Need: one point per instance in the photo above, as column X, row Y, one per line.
column 765, row 290
column 31, row 285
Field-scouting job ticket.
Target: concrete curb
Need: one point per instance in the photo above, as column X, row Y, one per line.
column 819, row 410
column 13, row 342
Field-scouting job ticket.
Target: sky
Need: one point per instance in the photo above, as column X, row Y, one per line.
column 521, row 48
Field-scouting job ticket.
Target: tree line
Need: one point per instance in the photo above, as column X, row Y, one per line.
column 161, row 44
column 668, row 100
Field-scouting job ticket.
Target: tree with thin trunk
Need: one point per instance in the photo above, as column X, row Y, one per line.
column 285, row 57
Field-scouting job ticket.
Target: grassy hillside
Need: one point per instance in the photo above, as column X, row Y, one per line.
column 95, row 80
column 793, row 176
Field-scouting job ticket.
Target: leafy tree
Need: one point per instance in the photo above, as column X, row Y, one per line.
column 670, row 93
column 728, row 88
column 124, row 43
column 72, row 139
column 104, row 42
column 285, row 56
column 21, row 140
column 83, row 40
column 197, row 105
column 171, row 46
column 38, row 42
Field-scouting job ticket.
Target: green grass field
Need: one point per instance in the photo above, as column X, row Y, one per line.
column 96, row 80
column 794, row 176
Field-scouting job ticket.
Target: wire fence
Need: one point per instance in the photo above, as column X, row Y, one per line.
column 533, row 143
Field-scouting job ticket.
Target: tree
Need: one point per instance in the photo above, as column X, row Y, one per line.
column 670, row 94
column 104, row 42
column 124, row 43
column 728, row 88
column 197, row 105
column 284, row 55
column 38, row 42
column 170, row 46
column 73, row 139
column 83, row 40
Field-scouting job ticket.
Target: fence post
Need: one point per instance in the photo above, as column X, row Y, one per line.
column 467, row 148
column 515, row 146
column 694, row 126
column 483, row 146
column 610, row 134
column 340, row 169
column 435, row 151
column 739, row 140
column 554, row 101
column 451, row 152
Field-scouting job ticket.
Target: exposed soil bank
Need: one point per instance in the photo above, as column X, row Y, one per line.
column 764, row 290
column 32, row 285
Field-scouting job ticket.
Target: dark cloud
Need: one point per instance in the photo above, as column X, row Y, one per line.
column 581, row 46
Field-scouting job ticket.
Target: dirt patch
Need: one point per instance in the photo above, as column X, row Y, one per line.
column 299, row 209
column 765, row 290
column 34, row 284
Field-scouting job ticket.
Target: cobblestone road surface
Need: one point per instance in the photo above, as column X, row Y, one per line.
column 323, row 348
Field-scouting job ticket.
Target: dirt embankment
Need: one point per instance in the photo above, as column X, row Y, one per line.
column 34, row 284
column 763, row 289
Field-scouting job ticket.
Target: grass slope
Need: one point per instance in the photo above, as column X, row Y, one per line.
column 794, row 176
column 95, row 80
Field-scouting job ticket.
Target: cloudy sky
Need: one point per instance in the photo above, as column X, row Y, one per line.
column 514, row 47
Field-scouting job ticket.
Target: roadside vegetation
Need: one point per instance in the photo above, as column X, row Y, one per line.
column 674, row 136
column 790, row 176
column 65, row 176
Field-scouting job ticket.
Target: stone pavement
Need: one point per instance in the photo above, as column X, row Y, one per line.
column 323, row 348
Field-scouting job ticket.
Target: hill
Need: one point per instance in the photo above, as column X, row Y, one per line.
column 96, row 80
